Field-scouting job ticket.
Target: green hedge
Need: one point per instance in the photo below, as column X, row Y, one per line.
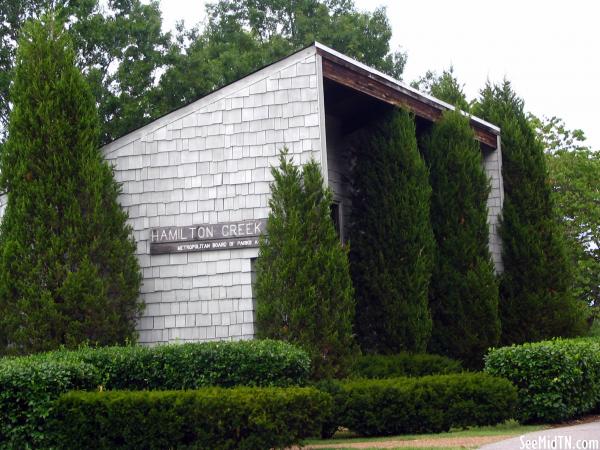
column 429, row 404
column 190, row 366
column 404, row 365
column 28, row 385
column 193, row 365
column 209, row 418
column 557, row 380
column 28, row 389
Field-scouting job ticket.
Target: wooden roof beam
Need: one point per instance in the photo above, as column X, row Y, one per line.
column 360, row 78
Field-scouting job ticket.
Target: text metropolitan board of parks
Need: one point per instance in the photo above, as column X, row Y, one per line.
column 198, row 238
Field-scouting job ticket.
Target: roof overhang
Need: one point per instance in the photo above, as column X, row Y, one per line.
column 355, row 75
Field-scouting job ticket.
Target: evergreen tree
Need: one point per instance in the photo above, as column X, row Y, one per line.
column 68, row 272
column 445, row 87
column 463, row 295
column 535, row 289
column 303, row 288
column 391, row 239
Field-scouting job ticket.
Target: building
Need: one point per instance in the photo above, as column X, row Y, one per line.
column 196, row 181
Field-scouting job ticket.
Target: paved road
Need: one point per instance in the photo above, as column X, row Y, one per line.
column 584, row 436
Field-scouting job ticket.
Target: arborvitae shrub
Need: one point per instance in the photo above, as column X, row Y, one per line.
column 463, row 295
column 430, row 404
column 303, row 288
column 68, row 271
column 536, row 301
column 209, row 418
column 404, row 365
column 391, row 242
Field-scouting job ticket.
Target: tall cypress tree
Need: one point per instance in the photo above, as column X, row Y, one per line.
column 303, row 288
column 391, row 242
column 535, row 289
column 463, row 295
column 68, row 272
column 445, row 87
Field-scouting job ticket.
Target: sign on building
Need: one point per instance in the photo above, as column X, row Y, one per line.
column 199, row 238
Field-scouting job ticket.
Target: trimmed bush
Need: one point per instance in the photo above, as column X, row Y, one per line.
column 404, row 365
column 557, row 380
column 430, row 404
column 210, row 418
column 28, row 389
column 194, row 365
column 28, row 385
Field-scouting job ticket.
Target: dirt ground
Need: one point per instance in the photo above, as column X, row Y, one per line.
column 465, row 442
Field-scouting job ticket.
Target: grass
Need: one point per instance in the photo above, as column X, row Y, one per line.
column 510, row 427
column 403, row 448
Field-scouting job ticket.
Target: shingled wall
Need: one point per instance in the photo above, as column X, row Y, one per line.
column 209, row 163
column 492, row 161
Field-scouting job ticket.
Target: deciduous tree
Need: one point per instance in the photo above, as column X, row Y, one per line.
column 554, row 134
column 337, row 23
column 120, row 49
column 574, row 171
column 574, row 176
column 243, row 36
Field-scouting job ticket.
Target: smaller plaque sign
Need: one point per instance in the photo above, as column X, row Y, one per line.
column 199, row 238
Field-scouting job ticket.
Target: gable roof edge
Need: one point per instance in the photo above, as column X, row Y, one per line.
column 442, row 104
column 208, row 99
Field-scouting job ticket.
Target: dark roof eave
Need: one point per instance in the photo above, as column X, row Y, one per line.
column 351, row 73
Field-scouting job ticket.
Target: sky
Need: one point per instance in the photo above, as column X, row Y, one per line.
column 548, row 49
